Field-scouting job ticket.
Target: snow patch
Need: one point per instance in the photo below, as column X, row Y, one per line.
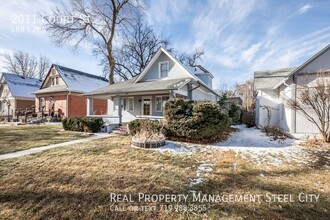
column 176, row 149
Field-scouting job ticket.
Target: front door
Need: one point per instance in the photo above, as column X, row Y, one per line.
column 146, row 105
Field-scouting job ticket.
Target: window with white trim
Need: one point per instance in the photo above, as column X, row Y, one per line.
column 131, row 104
column 163, row 69
column 159, row 104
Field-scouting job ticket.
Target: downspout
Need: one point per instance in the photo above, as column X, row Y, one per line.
column 67, row 104
column 194, row 89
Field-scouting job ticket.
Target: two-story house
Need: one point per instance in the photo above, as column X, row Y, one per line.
column 144, row 95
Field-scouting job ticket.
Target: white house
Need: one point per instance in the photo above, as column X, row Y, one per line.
column 144, row 95
column 274, row 87
column 16, row 92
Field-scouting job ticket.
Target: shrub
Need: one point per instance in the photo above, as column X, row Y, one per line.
column 248, row 118
column 234, row 113
column 152, row 126
column 195, row 120
column 87, row 124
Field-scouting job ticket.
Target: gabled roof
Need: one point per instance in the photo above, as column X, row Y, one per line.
column 21, row 87
column 188, row 70
column 130, row 86
column 269, row 79
column 299, row 68
column 75, row 80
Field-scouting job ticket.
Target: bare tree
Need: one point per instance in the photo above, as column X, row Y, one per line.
column 43, row 66
column 139, row 46
column 25, row 64
column 97, row 22
column 313, row 101
column 192, row 58
column 224, row 90
column 245, row 91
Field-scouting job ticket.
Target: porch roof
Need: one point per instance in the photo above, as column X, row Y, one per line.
column 129, row 86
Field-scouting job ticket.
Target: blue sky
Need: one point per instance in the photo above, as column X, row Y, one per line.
column 239, row 37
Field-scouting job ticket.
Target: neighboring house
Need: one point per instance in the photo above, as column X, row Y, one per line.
column 274, row 87
column 61, row 93
column 16, row 93
column 144, row 95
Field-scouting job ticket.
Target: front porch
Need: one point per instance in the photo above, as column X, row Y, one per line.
column 124, row 108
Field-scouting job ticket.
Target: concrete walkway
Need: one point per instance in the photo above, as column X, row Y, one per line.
column 40, row 149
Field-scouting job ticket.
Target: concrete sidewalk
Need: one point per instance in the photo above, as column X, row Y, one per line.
column 40, row 149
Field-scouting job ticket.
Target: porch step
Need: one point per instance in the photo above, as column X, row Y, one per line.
column 122, row 129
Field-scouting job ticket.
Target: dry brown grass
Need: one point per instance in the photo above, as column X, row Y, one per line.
column 316, row 143
column 15, row 138
column 75, row 183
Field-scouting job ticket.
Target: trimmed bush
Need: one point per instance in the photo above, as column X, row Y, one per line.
column 136, row 125
column 86, row 124
column 194, row 119
column 249, row 119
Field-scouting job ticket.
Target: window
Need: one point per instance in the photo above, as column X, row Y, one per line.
column 55, row 81
column 131, row 104
column 159, row 104
column 163, row 69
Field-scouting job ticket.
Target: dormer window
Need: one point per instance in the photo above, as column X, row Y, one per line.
column 163, row 69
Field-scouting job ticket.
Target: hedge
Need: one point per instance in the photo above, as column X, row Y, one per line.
column 194, row 119
column 86, row 124
column 248, row 118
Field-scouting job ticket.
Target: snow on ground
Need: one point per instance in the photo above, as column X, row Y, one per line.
column 176, row 148
column 203, row 170
column 253, row 145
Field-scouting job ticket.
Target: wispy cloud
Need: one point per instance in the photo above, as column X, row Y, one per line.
column 305, row 8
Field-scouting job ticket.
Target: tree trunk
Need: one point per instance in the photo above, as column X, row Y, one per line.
column 326, row 136
column 112, row 63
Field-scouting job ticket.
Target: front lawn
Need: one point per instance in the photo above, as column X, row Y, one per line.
column 15, row 138
column 77, row 182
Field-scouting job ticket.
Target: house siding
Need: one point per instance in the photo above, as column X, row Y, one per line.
column 199, row 94
column 175, row 70
column 322, row 62
column 8, row 97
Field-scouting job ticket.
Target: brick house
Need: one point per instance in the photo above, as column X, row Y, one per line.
column 61, row 93
column 16, row 93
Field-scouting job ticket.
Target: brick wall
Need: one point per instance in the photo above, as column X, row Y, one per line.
column 23, row 104
column 59, row 104
column 100, row 107
column 77, row 105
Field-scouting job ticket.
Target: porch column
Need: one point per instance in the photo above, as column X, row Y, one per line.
column 189, row 87
column 118, row 103
column 89, row 106
column 172, row 94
